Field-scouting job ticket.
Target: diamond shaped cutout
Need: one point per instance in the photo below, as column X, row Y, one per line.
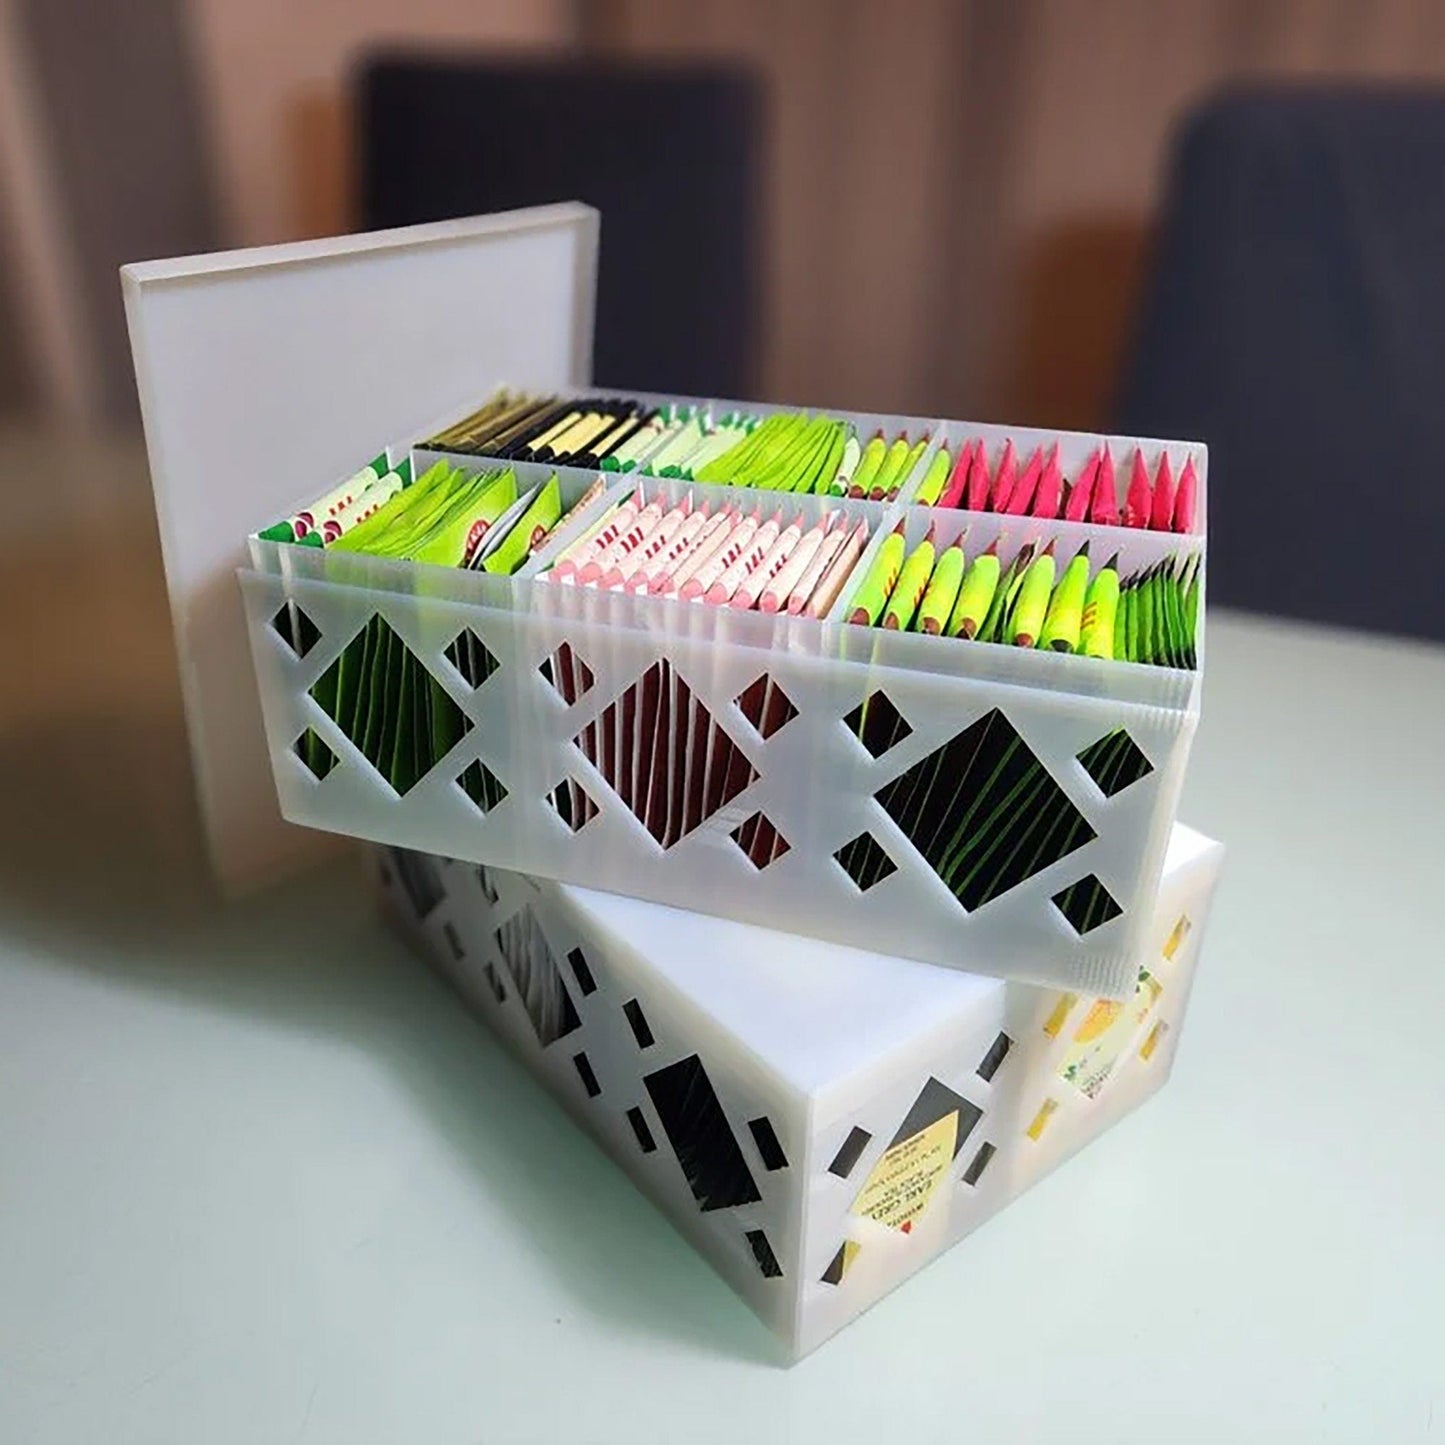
column 471, row 657
column 481, row 785
column 573, row 804
column 936, row 1101
column 766, row 706
column 534, row 971
column 1115, row 762
column 877, row 724
column 398, row 716
column 1087, row 905
column 985, row 812
column 296, row 629
column 672, row 764
column 567, row 672
column 316, row 757
column 865, row 861
column 762, row 842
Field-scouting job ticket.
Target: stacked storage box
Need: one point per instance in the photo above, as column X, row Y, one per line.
column 819, row 1119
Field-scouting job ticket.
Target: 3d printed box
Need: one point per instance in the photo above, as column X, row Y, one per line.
column 1042, row 732
column 817, row 1120
column 265, row 375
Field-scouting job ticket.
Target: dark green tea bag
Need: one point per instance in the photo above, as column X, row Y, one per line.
column 1178, row 646
column 421, row 739
column 376, row 692
column 992, row 627
column 1129, row 609
column 353, row 695
column 445, row 720
column 392, row 684
column 1148, row 638
column 402, row 766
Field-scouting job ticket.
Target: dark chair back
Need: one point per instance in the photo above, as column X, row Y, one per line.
column 670, row 154
column 1296, row 323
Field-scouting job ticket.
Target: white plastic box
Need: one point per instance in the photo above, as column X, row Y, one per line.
column 266, row 375
column 791, row 1104
column 818, row 1121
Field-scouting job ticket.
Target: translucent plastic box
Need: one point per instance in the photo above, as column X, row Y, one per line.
column 265, row 375
column 817, row 1120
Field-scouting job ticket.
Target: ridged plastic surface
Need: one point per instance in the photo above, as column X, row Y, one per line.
column 593, row 701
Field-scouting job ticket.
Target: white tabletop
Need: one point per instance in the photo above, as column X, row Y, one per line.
column 262, row 1180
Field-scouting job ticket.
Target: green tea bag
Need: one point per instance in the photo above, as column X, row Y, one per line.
column 364, row 535
column 446, row 723
column 326, row 691
column 1144, row 619
column 425, row 723
column 1191, row 607
column 1131, row 624
column 417, row 531
column 540, row 515
column 1158, row 635
column 402, row 767
column 742, row 464
column 353, row 721
column 991, row 628
column 396, row 689
column 378, row 701
column 827, row 468
column 1163, row 626
column 782, row 470
column 1174, row 608
column 456, row 535
column 799, row 478
column 501, row 529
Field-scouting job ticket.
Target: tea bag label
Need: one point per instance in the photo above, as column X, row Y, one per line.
column 905, row 1178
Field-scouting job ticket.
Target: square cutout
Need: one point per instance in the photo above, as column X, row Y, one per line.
column 295, row 629
column 1086, row 905
column 471, row 657
column 1115, row 762
column 878, row 724
column 865, row 861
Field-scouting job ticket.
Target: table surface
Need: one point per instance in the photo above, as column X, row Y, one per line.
column 262, row 1179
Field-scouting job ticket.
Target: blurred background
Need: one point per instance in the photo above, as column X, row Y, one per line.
column 1219, row 219
column 954, row 198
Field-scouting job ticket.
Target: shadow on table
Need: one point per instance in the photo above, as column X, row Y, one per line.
column 102, row 869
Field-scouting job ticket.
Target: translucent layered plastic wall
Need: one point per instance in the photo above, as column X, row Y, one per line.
column 584, row 705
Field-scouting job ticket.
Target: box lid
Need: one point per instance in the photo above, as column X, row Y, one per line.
column 268, row 375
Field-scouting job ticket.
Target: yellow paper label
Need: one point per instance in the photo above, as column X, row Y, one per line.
column 1060, row 1015
column 1041, row 1119
column 1105, row 1033
column 905, row 1178
column 1146, row 1051
column 1180, row 933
